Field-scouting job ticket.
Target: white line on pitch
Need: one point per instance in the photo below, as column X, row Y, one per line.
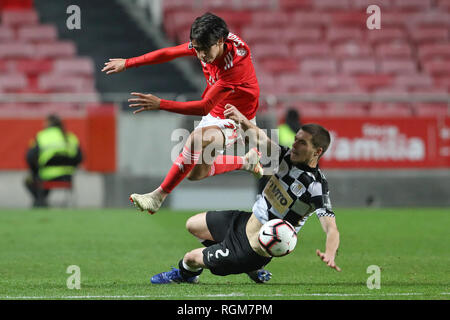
column 234, row 294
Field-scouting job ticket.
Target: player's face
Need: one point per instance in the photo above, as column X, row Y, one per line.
column 303, row 151
column 208, row 55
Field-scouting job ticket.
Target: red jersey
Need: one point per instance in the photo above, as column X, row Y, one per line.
column 230, row 79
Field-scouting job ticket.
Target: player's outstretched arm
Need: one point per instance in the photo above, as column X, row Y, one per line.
column 115, row 65
column 154, row 57
column 332, row 242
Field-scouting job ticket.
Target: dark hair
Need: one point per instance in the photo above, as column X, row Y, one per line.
column 320, row 136
column 55, row 121
column 208, row 29
column 293, row 120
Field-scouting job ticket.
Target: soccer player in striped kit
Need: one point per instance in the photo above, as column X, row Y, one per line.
column 296, row 189
column 230, row 77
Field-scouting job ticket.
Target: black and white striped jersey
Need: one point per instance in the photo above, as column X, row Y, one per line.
column 293, row 193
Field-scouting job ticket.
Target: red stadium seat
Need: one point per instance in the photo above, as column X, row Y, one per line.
column 60, row 49
column 14, row 82
column 293, row 35
column 341, row 34
column 310, row 18
column 432, row 109
column 371, row 82
column 279, row 65
column 443, row 5
column 267, row 19
column 412, row 5
column 412, row 81
column 430, row 18
column 255, row 34
column 430, row 34
column 37, row 33
column 363, row 4
column 340, row 109
column 431, row 51
column 19, row 17
column 68, row 84
column 386, row 35
column 11, row 50
column 6, row 34
column 352, row 18
column 309, row 50
column 33, row 66
column 394, row 50
column 289, row 5
column 310, row 109
column 358, row 66
column 265, row 50
column 395, row 19
column 74, row 66
column 437, row 68
column 328, row 5
column 318, row 66
column 398, row 66
column 352, row 49
column 296, row 82
column 382, row 109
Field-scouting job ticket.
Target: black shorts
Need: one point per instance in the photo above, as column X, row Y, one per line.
column 233, row 253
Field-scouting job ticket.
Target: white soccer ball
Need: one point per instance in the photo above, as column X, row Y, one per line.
column 277, row 237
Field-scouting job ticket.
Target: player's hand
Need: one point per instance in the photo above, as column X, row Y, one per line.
column 145, row 101
column 328, row 259
column 114, row 66
column 231, row 112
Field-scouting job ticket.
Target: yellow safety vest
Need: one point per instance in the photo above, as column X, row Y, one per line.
column 286, row 136
column 51, row 143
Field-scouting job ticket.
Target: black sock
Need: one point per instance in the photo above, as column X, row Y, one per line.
column 186, row 274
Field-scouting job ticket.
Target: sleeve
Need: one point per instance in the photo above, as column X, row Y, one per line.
column 198, row 108
column 160, row 56
column 322, row 200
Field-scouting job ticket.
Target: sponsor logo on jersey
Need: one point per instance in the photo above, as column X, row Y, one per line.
column 277, row 196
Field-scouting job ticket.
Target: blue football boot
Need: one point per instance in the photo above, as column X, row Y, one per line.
column 171, row 277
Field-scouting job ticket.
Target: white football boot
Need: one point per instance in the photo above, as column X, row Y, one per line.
column 252, row 164
column 149, row 201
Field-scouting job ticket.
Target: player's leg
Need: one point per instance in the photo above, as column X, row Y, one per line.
column 216, row 138
column 184, row 163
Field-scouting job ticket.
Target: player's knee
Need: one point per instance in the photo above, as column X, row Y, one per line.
column 194, row 257
column 195, row 224
column 194, row 176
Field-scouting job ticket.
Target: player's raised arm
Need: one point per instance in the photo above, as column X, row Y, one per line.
column 255, row 134
column 154, row 57
column 332, row 242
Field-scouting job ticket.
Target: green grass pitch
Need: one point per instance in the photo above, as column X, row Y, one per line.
column 119, row 250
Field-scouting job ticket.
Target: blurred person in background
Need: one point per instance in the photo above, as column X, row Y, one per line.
column 53, row 155
column 288, row 129
column 286, row 137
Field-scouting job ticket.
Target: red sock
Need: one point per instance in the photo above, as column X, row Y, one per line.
column 180, row 169
column 224, row 164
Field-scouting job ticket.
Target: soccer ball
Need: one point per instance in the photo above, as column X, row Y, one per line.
column 277, row 237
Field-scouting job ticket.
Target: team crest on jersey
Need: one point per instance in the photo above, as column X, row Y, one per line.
column 297, row 188
column 241, row 52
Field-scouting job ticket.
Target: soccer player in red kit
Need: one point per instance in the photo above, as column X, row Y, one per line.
column 231, row 79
